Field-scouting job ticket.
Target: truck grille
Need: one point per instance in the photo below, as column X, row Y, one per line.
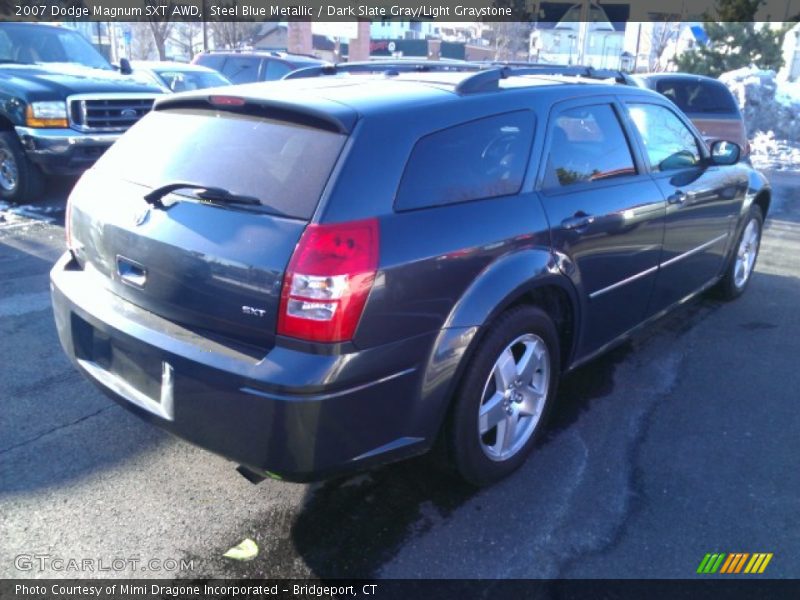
column 108, row 113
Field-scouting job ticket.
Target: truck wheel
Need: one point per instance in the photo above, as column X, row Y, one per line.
column 20, row 179
column 505, row 396
column 743, row 262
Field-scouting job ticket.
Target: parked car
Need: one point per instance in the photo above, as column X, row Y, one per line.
column 314, row 278
column 255, row 65
column 179, row 77
column 706, row 101
column 61, row 105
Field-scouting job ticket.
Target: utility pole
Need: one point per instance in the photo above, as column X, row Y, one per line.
column 583, row 31
column 112, row 35
column 205, row 27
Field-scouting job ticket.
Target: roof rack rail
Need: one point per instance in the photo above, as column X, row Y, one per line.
column 389, row 67
column 489, row 79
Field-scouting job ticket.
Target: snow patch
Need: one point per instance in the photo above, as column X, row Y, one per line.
column 788, row 94
column 771, row 110
column 769, row 152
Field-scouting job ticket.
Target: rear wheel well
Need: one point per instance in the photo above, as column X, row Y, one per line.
column 554, row 301
column 762, row 200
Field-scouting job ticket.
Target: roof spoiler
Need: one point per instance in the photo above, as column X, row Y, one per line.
column 336, row 121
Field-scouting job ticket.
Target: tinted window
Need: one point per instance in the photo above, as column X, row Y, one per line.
column 587, row 144
column 480, row 159
column 183, row 81
column 283, row 165
column 212, row 61
column 276, row 69
column 241, row 69
column 668, row 142
column 698, row 96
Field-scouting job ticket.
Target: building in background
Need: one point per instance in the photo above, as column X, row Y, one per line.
column 596, row 41
column 654, row 45
column 791, row 55
column 605, row 39
column 403, row 30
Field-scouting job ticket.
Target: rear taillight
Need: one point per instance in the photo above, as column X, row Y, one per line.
column 328, row 280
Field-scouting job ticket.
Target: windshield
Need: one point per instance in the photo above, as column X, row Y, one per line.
column 184, row 81
column 29, row 44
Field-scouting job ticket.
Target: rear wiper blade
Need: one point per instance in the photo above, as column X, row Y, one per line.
column 203, row 192
column 223, row 196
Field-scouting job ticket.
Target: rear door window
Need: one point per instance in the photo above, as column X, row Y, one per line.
column 242, row 69
column 708, row 97
column 587, row 144
column 481, row 159
column 284, row 165
column 667, row 140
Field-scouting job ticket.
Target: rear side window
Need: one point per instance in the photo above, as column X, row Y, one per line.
column 212, row 61
column 587, row 144
column 668, row 142
column 284, row 165
column 242, row 69
column 698, row 96
column 481, row 159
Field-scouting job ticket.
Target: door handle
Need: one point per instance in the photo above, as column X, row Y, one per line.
column 580, row 220
column 678, row 197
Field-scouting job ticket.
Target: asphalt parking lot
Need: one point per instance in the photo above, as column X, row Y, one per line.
column 681, row 442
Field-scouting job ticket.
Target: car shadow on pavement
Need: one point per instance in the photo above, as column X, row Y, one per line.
column 352, row 527
column 55, row 427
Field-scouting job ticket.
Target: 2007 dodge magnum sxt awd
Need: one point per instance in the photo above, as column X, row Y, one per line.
column 330, row 273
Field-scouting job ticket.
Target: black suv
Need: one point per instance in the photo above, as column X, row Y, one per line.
column 331, row 273
column 255, row 65
column 61, row 105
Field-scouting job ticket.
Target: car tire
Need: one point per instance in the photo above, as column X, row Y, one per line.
column 501, row 407
column 742, row 261
column 20, row 179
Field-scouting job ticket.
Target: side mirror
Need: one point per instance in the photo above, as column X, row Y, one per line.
column 125, row 66
column 725, row 153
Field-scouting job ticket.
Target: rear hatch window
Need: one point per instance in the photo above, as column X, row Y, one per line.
column 216, row 268
column 284, row 165
column 705, row 97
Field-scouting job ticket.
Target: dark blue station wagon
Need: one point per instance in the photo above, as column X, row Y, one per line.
column 322, row 275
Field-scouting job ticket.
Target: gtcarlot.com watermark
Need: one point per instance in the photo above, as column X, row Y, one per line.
column 62, row 564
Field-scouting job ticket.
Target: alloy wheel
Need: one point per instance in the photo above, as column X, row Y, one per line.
column 513, row 397
column 746, row 254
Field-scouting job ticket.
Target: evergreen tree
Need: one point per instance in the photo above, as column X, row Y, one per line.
column 734, row 41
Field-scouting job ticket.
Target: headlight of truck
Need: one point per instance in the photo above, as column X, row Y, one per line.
column 46, row 114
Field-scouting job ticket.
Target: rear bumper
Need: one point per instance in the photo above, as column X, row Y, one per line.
column 298, row 415
column 64, row 151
